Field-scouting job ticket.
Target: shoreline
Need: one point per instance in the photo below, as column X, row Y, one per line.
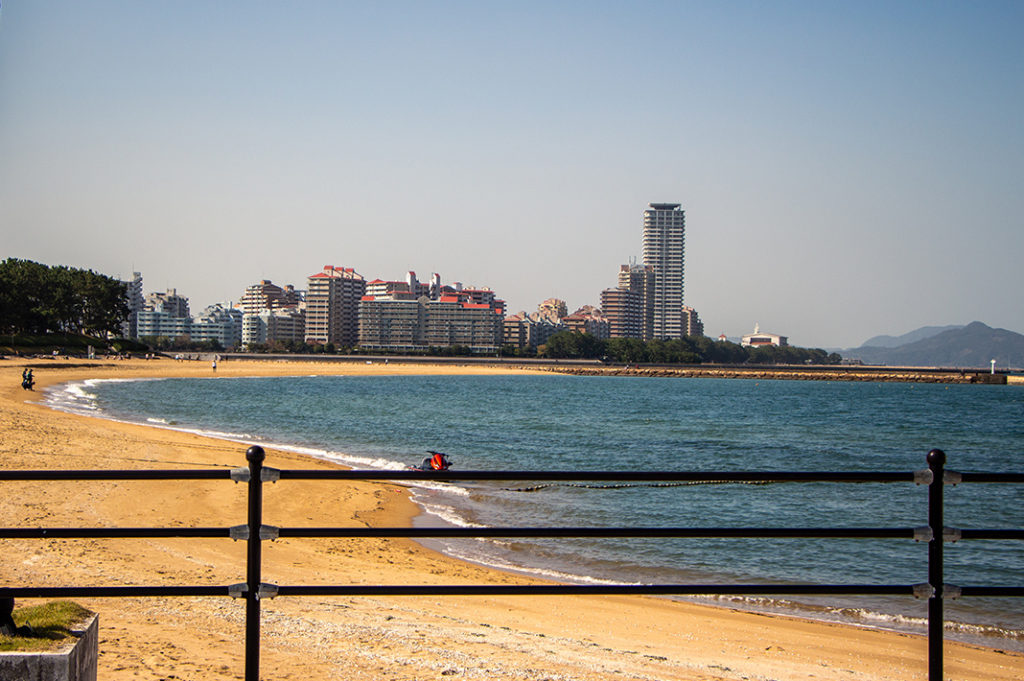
column 379, row 638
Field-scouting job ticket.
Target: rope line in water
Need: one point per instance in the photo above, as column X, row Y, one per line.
column 537, row 488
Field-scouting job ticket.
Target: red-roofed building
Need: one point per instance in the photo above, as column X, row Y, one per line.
column 588, row 319
column 332, row 306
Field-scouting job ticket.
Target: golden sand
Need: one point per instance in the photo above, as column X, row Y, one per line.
column 314, row 638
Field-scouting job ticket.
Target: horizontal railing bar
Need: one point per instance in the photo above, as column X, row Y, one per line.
column 473, row 532
column 362, row 474
column 705, row 532
column 992, row 477
column 111, row 532
column 1014, row 591
column 650, row 476
column 140, row 474
column 991, row 534
column 504, row 590
column 111, row 591
column 597, row 589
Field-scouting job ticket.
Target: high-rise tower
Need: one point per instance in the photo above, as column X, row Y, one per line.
column 332, row 306
column 664, row 246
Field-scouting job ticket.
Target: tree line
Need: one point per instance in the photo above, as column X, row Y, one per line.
column 688, row 350
column 39, row 299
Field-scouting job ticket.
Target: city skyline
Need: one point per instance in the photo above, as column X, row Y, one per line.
column 846, row 170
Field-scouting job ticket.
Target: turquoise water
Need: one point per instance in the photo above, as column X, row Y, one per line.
column 620, row 423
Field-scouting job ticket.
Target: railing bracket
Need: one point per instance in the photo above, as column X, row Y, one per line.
column 952, row 534
column 240, row 474
column 952, row 477
column 270, row 475
column 924, row 477
column 923, row 534
column 266, row 591
column 269, row 532
column 951, row 591
column 237, row 590
column 239, row 532
column 923, row 591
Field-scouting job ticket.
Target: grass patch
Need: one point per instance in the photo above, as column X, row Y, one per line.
column 52, row 624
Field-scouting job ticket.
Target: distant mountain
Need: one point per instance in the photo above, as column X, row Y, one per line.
column 912, row 337
column 971, row 346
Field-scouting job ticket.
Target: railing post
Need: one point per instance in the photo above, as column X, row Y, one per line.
column 255, row 456
column 936, row 624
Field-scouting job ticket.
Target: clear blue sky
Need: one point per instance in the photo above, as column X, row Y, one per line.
column 847, row 168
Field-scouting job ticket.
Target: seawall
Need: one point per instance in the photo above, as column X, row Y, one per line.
column 878, row 374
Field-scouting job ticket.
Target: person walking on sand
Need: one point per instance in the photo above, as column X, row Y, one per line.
column 215, row 366
column 27, row 381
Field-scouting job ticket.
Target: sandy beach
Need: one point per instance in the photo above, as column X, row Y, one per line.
column 314, row 638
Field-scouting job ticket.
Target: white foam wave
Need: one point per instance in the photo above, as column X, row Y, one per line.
column 448, row 514
column 72, row 398
column 491, row 561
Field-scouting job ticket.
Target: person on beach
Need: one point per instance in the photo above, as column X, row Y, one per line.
column 27, row 381
column 7, row 625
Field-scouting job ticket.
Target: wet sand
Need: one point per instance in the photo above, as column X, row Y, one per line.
column 313, row 638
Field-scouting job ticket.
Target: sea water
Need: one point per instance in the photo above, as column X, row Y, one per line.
column 556, row 422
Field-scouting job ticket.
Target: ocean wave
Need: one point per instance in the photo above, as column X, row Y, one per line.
column 350, row 460
column 448, row 514
column 72, row 398
column 77, row 397
column 869, row 618
column 492, row 561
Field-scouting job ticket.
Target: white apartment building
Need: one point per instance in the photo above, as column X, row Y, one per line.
column 156, row 323
column 136, row 302
column 169, row 302
column 268, row 326
column 663, row 250
column 164, row 314
column 221, row 323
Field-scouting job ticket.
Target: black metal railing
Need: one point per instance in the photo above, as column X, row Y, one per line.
column 254, row 532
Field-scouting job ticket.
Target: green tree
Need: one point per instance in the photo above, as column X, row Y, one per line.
column 573, row 345
column 38, row 299
column 626, row 350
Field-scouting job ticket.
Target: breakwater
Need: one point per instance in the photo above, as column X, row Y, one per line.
column 875, row 374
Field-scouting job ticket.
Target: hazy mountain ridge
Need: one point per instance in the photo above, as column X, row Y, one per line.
column 911, row 337
column 974, row 345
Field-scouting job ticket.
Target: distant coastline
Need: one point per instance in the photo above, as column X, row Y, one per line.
column 758, row 372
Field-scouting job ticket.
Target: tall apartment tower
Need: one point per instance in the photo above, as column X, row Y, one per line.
column 136, row 301
column 664, row 246
column 332, row 306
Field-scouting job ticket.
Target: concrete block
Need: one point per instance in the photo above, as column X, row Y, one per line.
column 74, row 661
